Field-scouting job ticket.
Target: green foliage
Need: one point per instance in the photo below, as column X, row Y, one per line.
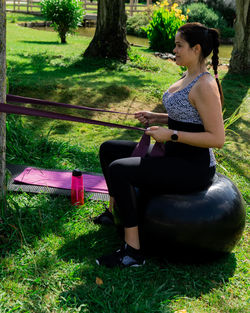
column 162, row 28
column 65, row 15
column 136, row 25
column 141, row 62
column 199, row 12
column 222, row 7
column 227, row 32
column 13, row 18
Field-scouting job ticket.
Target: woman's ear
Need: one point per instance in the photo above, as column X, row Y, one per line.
column 197, row 48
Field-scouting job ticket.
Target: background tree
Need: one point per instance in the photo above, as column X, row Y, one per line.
column 2, row 96
column 110, row 36
column 240, row 59
column 65, row 15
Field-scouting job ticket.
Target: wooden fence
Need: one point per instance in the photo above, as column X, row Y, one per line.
column 33, row 6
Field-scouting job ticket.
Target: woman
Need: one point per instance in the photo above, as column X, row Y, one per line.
column 195, row 126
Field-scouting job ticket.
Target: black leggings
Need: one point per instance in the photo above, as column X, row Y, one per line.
column 155, row 174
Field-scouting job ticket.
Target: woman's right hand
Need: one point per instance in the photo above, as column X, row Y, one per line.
column 146, row 117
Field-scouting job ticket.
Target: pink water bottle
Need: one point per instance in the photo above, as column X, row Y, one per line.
column 77, row 189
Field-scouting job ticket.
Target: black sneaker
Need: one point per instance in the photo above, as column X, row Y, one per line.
column 106, row 218
column 126, row 256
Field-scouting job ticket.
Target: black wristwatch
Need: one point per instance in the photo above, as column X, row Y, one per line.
column 174, row 136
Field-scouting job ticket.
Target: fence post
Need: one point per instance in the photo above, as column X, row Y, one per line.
column 131, row 7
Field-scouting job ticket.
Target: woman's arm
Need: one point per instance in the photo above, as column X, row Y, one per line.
column 205, row 97
column 149, row 118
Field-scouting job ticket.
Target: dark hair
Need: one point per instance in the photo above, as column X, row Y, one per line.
column 208, row 39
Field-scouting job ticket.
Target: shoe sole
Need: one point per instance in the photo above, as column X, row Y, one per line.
column 134, row 265
column 138, row 265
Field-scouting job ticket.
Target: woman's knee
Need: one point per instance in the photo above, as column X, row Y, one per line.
column 116, row 168
column 105, row 147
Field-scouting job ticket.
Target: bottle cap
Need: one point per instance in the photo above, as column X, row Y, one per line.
column 76, row 172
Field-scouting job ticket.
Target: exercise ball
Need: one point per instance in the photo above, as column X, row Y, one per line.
column 195, row 226
column 198, row 226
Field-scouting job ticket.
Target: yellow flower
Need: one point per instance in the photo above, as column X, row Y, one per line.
column 188, row 10
column 175, row 5
column 164, row 4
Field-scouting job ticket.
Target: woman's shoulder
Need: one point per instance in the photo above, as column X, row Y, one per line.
column 205, row 84
column 205, row 90
column 205, row 78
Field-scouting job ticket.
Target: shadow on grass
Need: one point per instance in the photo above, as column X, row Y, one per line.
column 24, row 17
column 235, row 88
column 41, row 42
column 78, row 82
column 23, row 147
column 150, row 288
column 146, row 289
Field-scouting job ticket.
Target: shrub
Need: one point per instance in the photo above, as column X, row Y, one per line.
column 65, row 15
column 141, row 61
column 164, row 24
column 199, row 12
column 223, row 8
column 227, row 32
column 136, row 25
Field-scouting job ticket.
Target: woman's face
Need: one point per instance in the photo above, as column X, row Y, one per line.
column 184, row 54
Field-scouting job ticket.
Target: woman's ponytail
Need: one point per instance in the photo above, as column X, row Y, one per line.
column 215, row 59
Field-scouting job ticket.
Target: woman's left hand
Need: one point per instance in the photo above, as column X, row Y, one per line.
column 160, row 134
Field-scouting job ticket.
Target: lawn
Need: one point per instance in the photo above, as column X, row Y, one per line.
column 49, row 247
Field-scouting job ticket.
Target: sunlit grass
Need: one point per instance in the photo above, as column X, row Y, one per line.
column 49, row 247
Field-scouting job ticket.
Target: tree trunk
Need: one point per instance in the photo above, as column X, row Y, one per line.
column 240, row 59
column 2, row 97
column 110, row 36
column 63, row 38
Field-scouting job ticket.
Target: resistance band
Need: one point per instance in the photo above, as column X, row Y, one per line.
column 140, row 150
column 20, row 99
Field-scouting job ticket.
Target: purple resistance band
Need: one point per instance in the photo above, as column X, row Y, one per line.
column 140, row 150
column 20, row 99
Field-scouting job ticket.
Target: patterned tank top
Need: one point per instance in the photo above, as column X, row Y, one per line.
column 183, row 116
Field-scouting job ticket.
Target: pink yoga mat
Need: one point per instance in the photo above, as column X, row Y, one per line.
column 33, row 176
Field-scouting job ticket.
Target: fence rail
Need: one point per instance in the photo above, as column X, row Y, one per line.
column 33, row 6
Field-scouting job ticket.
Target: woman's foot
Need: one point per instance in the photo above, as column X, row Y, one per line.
column 105, row 218
column 126, row 256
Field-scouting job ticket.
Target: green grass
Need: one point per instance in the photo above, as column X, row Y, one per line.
column 49, row 247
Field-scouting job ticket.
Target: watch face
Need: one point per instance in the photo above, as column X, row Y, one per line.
column 174, row 137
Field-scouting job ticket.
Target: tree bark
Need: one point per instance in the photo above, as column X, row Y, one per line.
column 240, row 59
column 2, row 97
column 110, row 36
